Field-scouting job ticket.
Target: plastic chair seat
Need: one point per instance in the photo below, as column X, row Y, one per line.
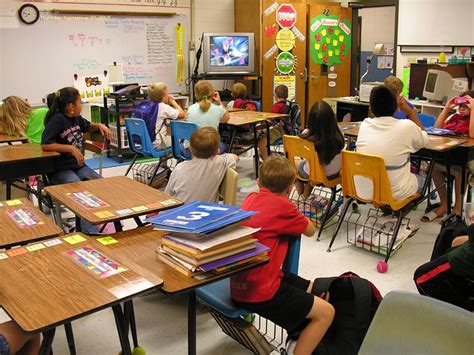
column 217, row 296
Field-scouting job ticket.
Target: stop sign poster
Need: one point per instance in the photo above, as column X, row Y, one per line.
column 286, row 16
column 330, row 39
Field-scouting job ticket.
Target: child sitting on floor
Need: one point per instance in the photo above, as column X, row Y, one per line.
column 285, row 299
column 167, row 108
column 198, row 179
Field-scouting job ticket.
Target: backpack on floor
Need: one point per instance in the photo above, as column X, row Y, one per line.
column 147, row 110
column 246, row 104
column 451, row 228
column 355, row 300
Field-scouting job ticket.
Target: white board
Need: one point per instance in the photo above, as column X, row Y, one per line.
column 436, row 22
column 41, row 58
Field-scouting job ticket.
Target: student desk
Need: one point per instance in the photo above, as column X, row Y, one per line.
column 45, row 288
column 252, row 118
column 122, row 197
column 12, row 233
column 22, row 160
column 138, row 246
column 438, row 145
column 5, row 138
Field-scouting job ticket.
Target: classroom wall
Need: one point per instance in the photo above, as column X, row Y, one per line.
column 378, row 26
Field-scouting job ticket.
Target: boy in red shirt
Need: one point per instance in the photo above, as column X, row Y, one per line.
column 285, row 299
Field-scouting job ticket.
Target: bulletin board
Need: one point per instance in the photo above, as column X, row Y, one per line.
column 41, row 58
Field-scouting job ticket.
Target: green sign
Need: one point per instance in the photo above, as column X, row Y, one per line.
column 330, row 39
column 285, row 63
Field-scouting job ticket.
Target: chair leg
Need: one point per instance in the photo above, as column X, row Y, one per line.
column 395, row 233
column 131, row 164
column 70, row 338
column 155, row 170
column 232, row 140
column 328, row 210
column 339, row 223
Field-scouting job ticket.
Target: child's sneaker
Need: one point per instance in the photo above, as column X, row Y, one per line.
column 290, row 346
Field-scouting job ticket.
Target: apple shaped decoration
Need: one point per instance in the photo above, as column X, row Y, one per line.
column 318, row 36
column 324, row 47
column 330, row 30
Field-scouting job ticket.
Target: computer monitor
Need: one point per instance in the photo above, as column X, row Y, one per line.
column 231, row 53
column 438, row 85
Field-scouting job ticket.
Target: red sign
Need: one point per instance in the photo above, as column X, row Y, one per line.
column 286, row 16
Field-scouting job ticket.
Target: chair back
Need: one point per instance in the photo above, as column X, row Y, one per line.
column 296, row 147
column 371, row 167
column 139, row 139
column 181, row 131
column 292, row 259
column 407, row 323
column 427, row 120
column 97, row 144
column 228, row 187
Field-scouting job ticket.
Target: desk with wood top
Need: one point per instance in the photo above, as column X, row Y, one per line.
column 46, row 288
column 16, row 223
column 253, row 118
column 122, row 198
column 138, row 247
column 5, row 138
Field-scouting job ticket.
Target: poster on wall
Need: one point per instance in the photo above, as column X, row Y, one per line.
column 289, row 81
column 330, row 39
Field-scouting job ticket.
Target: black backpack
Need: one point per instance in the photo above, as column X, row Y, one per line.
column 453, row 227
column 355, row 300
column 292, row 125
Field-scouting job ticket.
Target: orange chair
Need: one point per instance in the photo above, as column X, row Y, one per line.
column 296, row 147
column 373, row 168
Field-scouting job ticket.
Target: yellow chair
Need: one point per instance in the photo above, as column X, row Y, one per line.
column 373, row 168
column 228, row 187
column 296, row 147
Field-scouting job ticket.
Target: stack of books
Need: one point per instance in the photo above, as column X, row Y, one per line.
column 204, row 239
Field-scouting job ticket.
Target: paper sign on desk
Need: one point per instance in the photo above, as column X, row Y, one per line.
column 96, row 263
column 52, row 243
column 24, row 217
column 87, row 200
column 35, row 247
column 139, row 208
column 107, row 240
column 169, row 202
column 16, row 251
column 74, row 239
column 3, row 256
column 124, row 212
column 13, row 202
column 104, row 214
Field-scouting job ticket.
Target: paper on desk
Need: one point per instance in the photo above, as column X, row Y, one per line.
column 217, row 238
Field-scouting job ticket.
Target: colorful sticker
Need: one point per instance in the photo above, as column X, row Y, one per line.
column 3, row 256
column 330, row 39
column 94, row 262
column 16, row 251
column 124, row 212
column 87, row 200
column 269, row 31
column 285, row 40
column 168, row 202
column 140, row 208
column 24, row 217
column 35, row 247
column 286, row 16
column 74, row 239
column 13, row 202
column 52, row 243
column 285, row 63
column 107, row 240
column 269, row 10
column 104, row 214
column 154, row 206
column 270, row 52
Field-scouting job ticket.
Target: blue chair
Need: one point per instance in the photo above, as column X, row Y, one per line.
column 181, row 131
column 230, row 317
column 140, row 143
column 427, row 120
column 259, row 105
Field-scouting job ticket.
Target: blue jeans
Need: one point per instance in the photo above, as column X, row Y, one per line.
column 76, row 175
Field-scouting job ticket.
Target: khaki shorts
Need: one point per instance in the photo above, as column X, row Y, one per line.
column 276, row 133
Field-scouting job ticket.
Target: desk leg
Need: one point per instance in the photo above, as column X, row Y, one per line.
column 130, row 320
column 255, row 145
column 192, row 322
column 47, row 343
column 122, row 329
column 9, row 189
column 118, row 226
column 78, row 224
column 268, row 138
column 70, row 338
column 232, row 140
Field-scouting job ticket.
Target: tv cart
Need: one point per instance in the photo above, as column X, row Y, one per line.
column 254, row 78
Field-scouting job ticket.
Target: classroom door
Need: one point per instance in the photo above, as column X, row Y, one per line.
column 284, row 49
column 329, row 52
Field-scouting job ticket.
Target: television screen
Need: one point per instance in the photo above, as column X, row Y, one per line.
column 229, row 51
column 431, row 82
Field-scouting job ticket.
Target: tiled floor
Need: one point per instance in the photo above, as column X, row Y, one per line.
column 161, row 320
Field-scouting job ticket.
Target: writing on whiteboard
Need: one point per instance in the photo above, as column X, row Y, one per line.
column 87, row 64
column 84, row 40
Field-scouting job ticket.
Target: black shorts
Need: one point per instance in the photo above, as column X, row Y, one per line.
column 289, row 306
